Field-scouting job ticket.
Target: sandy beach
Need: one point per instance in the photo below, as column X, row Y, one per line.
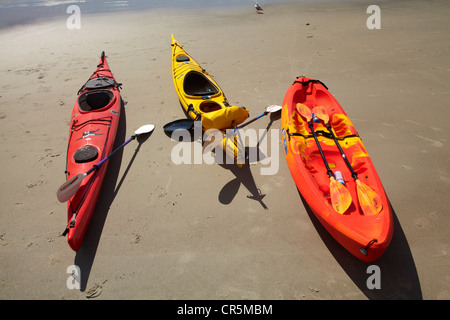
column 208, row 231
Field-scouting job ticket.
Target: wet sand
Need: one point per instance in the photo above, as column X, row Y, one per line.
column 191, row 231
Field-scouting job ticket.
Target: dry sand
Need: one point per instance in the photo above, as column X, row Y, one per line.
column 166, row 231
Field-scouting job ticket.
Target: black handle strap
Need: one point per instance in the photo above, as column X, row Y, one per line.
column 305, row 83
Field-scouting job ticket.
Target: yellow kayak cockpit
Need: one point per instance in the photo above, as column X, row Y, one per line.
column 197, row 85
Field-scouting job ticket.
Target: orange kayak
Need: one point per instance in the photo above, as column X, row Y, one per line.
column 333, row 171
column 93, row 127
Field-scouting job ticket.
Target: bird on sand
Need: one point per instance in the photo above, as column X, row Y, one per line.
column 257, row 7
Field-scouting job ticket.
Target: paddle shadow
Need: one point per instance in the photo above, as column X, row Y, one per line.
column 399, row 278
column 84, row 258
column 273, row 117
column 243, row 177
column 229, row 191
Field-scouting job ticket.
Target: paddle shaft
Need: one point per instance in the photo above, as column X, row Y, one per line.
column 247, row 123
column 369, row 201
column 354, row 174
column 329, row 172
column 96, row 166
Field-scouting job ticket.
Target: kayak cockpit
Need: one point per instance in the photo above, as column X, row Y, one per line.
column 196, row 84
column 95, row 100
column 209, row 106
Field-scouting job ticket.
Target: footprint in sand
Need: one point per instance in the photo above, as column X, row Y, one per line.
column 95, row 290
column 34, row 184
column 49, row 154
column 421, row 222
column 435, row 143
column 136, row 238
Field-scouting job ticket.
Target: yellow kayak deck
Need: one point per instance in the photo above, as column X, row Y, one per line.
column 203, row 99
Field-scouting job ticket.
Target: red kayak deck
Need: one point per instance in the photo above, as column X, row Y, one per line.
column 365, row 236
column 93, row 128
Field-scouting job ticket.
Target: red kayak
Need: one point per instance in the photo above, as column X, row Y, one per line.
column 333, row 171
column 93, row 128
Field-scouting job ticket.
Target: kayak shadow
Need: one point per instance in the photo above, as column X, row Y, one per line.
column 84, row 258
column 398, row 274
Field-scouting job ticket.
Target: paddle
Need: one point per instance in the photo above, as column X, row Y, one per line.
column 369, row 200
column 71, row 186
column 270, row 109
column 215, row 142
column 181, row 124
column 339, row 194
column 188, row 124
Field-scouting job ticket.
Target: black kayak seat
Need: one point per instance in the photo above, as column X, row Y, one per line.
column 95, row 100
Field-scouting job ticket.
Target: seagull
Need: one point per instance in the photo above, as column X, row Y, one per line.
column 257, row 7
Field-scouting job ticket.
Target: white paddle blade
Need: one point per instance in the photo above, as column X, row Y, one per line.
column 70, row 187
column 273, row 108
column 145, row 129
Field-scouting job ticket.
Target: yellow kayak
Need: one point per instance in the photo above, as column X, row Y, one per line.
column 202, row 99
